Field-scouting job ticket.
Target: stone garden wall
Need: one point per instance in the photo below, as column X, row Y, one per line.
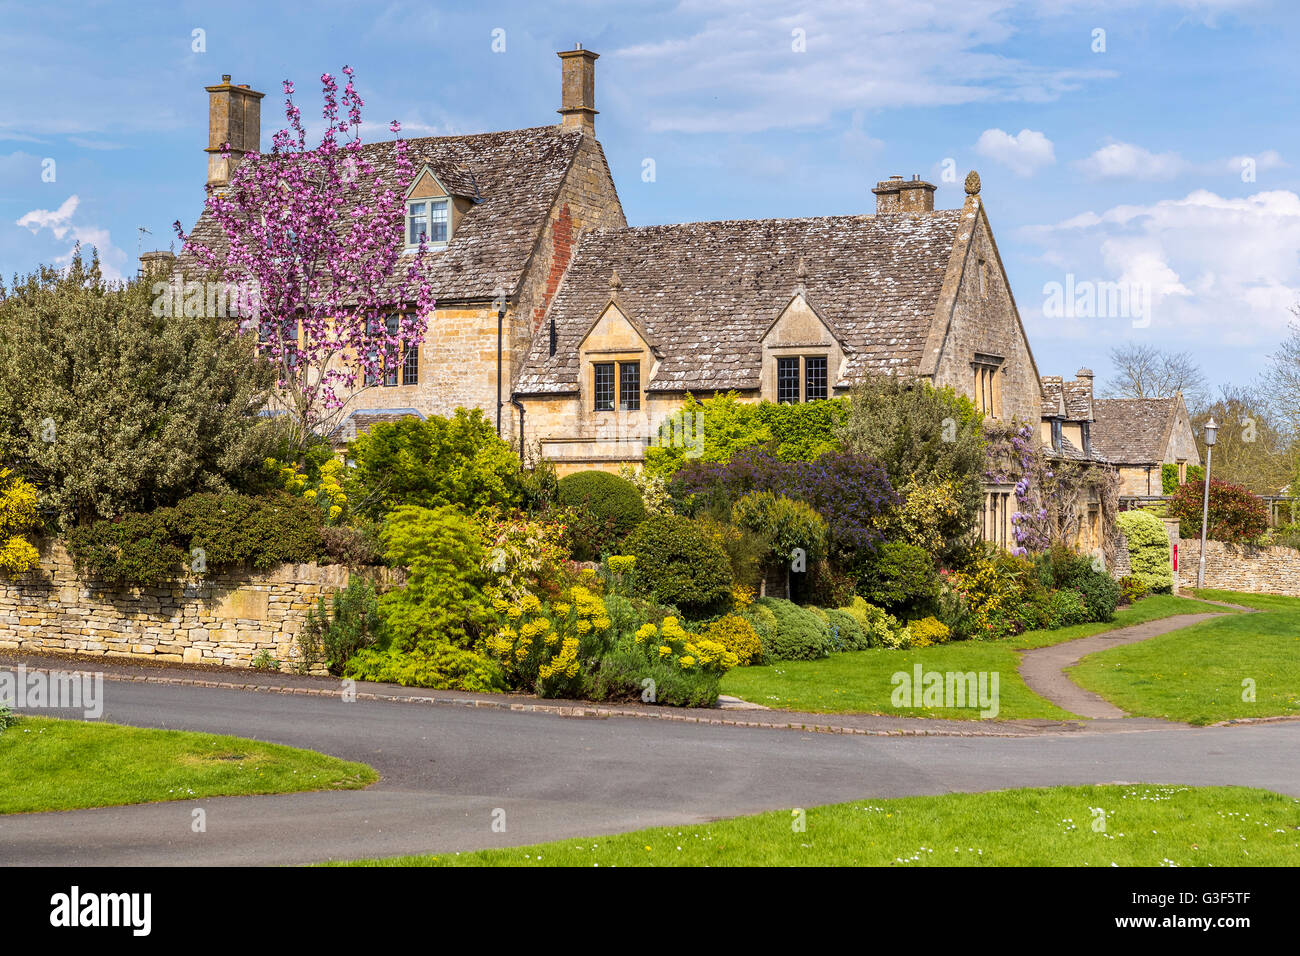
column 1236, row 567
column 217, row 619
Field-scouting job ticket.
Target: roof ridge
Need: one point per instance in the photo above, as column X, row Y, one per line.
column 649, row 227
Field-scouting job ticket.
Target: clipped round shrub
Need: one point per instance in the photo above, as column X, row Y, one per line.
column 1065, row 608
column 928, row 631
column 848, row 632
column 738, row 636
column 605, row 508
column 1148, row 549
column 1100, row 593
column 678, row 564
column 900, row 578
column 800, row 634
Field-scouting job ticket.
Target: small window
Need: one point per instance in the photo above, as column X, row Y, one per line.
column 411, row 365
column 428, row 217
column 984, row 279
column 392, row 326
column 1087, row 438
column 1056, row 434
column 604, row 386
column 787, row 380
column 814, row 379
column 629, row 386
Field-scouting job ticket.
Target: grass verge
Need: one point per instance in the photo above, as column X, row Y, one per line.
column 1208, row 672
column 860, row 681
column 1144, row 825
column 48, row 764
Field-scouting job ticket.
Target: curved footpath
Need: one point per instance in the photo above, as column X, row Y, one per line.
column 1043, row 668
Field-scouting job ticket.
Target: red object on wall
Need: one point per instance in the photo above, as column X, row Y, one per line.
column 1175, row 557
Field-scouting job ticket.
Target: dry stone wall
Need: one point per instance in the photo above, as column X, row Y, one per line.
column 218, row 619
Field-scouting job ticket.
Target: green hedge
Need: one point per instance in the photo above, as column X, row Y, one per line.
column 203, row 534
column 1169, row 477
column 678, row 564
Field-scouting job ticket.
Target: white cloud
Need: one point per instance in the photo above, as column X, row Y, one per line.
column 112, row 260
column 742, row 69
column 1127, row 161
column 1220, row 270
column 1023, row 153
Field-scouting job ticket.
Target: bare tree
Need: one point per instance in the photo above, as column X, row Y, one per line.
column 1281, row 381
column 1145, row 371
column 1253, row 449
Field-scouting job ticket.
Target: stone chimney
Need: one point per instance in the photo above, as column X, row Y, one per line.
column 897, row 194
column 158, row 263
column 234, row 117
column 578, row 88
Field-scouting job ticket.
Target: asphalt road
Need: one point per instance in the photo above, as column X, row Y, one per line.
column 445, row 770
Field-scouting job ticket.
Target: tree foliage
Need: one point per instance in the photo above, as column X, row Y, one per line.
column 1234, row 513
column 108, row 408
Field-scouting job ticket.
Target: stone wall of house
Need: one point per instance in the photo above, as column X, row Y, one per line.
column 985, row 321
column 1236, row 567
column 218, row 619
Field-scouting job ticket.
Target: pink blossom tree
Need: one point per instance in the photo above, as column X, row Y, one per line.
column 314, row 240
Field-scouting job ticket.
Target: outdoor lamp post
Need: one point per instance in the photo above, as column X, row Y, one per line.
column 1211, row 432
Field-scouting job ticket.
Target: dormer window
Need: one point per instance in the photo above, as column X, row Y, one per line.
column 428, row 217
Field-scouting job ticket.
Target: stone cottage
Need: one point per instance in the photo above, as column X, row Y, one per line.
column 601, row 330
column 1140, row 435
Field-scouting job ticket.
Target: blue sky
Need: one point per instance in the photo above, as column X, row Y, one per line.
column 1162, row 154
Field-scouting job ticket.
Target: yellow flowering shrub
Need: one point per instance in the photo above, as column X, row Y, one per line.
column 17, row 515
column 675, row 645
column 327, row 492
column 738, row 636
column 549, row 649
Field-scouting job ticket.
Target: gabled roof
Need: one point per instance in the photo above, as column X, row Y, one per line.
column 517, row 174
column 708, row 291
column 1070, row 400
column 1134, row 431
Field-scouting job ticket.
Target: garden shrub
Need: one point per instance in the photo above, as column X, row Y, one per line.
column 900, row 578
column 800, row 634
column 1060, row 567
column 552, row 649
column 1066, row 608
column 605, row 509
column 848, row 632
column 1132, row 590
column 433, row 462
column 525, row 554
column 17, row 517
column 748, row 551
column 928, row 631
column 995, row 588
column 435, row 623
column 625, row 673
column 1148, row 550
column 235, row 530
column 785, row 524
column 333, row 633
column 139, row 549
column 355, row 546
column 738, row 636
column 678, row 564
column 762, row 620
column 1235, row 513
column 879, row 627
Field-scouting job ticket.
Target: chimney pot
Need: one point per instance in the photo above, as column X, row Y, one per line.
column 578, row 89
column 225, row 77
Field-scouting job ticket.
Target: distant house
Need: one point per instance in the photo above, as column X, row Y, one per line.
column 1140, row 435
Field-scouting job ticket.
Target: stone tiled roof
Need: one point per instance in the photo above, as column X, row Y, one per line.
column 1053, row 397
column 706, row 292
column 1069, row 450
column 1133, row 431
column 517, row 175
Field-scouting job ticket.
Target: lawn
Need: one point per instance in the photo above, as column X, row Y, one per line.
column 48, row 764
column 1138, row 825
column 860, row 681
column 1203, row 674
